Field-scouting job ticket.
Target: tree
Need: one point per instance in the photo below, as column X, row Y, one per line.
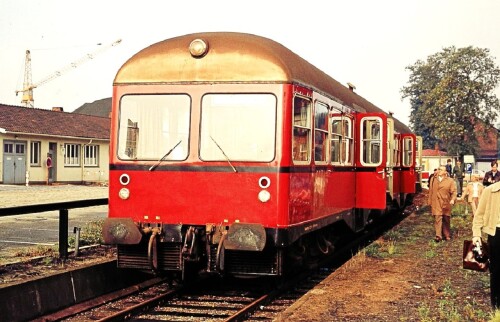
column 450, row 94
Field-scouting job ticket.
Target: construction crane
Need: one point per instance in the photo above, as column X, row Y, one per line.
column 27, row 91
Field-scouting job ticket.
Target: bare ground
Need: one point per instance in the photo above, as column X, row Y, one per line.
column 404, row 276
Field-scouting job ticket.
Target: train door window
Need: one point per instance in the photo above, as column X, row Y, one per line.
column 407, row 151
column 396, row 157
column 371, row 141
column 341, row 139
column 320, row 132
column 301, row 145
column 238, row 127
column 154, row 127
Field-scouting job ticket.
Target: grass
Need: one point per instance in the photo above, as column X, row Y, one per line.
column 91, row 234
column 39, row 250
column 449, row 304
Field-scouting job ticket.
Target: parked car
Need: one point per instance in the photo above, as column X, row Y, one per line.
column 477, row 172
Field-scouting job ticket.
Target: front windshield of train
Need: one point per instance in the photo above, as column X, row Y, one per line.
column 238, row 127
column 151, row 126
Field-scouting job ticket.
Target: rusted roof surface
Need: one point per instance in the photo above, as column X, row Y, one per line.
column 235, row 57
column 18, row 119
column 433, row 153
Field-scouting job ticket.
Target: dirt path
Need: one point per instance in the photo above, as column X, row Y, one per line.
column 404, row 276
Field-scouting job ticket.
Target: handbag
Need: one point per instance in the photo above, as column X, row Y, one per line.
column 475, row 257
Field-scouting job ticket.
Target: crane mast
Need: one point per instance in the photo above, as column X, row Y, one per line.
column 28, row 86
column 27, row 99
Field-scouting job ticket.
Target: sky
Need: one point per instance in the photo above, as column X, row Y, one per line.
column 367, row 43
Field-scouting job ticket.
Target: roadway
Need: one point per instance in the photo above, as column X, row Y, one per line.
column 22, row 232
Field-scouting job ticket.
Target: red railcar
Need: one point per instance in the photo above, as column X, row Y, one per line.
column 229, row 153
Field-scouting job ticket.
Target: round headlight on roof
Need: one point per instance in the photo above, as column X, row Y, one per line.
column 198, row 48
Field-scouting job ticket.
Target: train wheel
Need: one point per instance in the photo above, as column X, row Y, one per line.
column 323, row 244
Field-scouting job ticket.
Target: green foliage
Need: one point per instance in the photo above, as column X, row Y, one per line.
column 89, row 235
column 450, row 93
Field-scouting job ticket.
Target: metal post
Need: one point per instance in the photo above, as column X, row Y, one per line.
column 63, row 234
column 76, row 230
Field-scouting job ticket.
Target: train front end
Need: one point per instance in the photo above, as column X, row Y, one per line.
column 195, row 179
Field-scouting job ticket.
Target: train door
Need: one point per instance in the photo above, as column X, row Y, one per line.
column 392, row 148
column 418, row 163
column 408, row 158
column 371, row 158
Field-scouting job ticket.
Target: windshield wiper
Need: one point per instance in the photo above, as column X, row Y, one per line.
column 227, row 159
column 163, row 157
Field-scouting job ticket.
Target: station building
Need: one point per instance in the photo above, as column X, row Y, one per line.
column 51, row 146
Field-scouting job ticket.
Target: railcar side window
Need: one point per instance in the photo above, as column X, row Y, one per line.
column 371, row 140
column 152, row 125
column 238, row 127
column 407, row 151
column 341, row 139
column 301, row 145
column 320, row 132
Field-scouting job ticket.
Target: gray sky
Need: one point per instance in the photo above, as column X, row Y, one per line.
column 365, row 42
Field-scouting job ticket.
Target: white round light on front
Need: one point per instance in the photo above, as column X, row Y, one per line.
column 124, row 193
column 264, row 196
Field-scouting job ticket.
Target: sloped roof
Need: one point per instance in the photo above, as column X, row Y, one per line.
column 433, row 153
column 100, row 107
column 18, row 119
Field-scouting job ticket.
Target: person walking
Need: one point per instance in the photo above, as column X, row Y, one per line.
column 486, row 220
column 472, row 193
column 431, row 177
column 442, row 197
column 449, row 168
column 459, row 174
column 492, row 176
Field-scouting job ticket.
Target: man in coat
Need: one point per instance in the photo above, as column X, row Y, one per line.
column 459, row 174
column 487, row 220
column 442, row 196
column 492, row 176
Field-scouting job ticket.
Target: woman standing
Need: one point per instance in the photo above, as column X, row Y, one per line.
column 473, row 192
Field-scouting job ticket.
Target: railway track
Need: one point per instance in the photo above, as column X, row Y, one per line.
column 214, row 299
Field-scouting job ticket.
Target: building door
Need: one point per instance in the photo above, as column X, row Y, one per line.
column 52, row 171
column 14, row 162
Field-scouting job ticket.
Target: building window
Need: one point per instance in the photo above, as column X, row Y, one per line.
column 91, row 155
column 35, row 153
column 71, row 154
column 8, row 148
